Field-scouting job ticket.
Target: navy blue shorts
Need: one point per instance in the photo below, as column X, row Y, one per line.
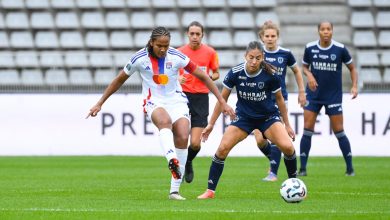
column 249, row 124
column 330, row 109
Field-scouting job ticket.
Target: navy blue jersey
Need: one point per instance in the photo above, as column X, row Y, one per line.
column 326, row 66
column 281, row 58
column 254, row 92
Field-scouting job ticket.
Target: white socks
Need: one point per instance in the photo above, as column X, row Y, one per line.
column 182, row 157
column 167, row 144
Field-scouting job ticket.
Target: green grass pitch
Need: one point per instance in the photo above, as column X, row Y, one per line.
column 119, row 187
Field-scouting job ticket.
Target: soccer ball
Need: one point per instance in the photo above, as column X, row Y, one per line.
column 293, row 190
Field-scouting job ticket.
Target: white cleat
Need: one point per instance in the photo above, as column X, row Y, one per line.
column 176, row 196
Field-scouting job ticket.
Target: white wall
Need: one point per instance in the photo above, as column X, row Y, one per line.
column 34, row 124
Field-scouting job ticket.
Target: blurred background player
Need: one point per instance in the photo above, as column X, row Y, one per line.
column 256, row 83
column 322, row 65
column 164, row 102
column 197, row 92
column 281, row 58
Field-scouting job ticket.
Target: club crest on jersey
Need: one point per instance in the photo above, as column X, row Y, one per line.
column 260, row 85
column 333, row 57
column 168, row 65
column 280, row 59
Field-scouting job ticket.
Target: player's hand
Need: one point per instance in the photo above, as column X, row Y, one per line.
column 302, row 99
column 354, row 92
column 182, row 79
column 312, row 83
column 290, row 132
column 93, row 111
column 227, row 110
column 206, row 132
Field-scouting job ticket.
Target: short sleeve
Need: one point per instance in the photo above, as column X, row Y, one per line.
column 230, row 80
column 132, row 65
column 347, row 59
column 306, row 56
column 214, row 61
column 275, row 84
column 291, row 59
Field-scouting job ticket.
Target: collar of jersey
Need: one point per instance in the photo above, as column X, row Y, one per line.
column 322, row 48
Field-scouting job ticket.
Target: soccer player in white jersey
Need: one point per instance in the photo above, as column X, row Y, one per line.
column 322, row 65
column 164, row 102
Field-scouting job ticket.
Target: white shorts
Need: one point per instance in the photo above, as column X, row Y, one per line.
column 175, row 110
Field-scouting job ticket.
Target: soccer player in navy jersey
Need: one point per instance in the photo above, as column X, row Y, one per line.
column 255, row 82
column 322, row 65
column 281, row 58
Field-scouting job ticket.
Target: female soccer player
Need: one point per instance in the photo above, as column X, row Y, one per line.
column 256, row 83
column 197, row 92
column 164, row 101
column 281, row 58
column 322, row 65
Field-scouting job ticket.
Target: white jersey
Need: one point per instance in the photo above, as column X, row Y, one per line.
column 159, row 75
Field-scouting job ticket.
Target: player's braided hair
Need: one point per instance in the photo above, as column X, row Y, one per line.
column 157, row 32
column 263, row 65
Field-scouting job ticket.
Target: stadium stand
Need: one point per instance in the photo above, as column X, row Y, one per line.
column 63, row 38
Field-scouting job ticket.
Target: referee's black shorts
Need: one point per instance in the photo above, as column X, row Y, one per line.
column 198, row 103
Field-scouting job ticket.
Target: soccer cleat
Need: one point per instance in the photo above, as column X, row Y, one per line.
column 189, row 172
column 350, row 173
column 302, row 172
column 175, row 196
column 271, row 177
column 209, row 194
column 174, row 168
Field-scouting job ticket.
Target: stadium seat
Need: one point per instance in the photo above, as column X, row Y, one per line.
column 239, row 4
column 220, row 39
column 384, row 39
column 74, row 59
column 9, row 77
column 386, row 75
column 26, row 59
column 31, row 77
column 214, row 4
column 381, row 3
column 242, row 38
column 141, row 39
column 62, row 4
column 117, row 19
column 121, row 58
column 176, row 39
column 313, row 14
column 4, row 43
column 51, row 59
column 362, row 19
column 46, row 39
column 71, row 39
column 100, row 59
column 67, row 20
column 37, row 4
column 12, row 4
column 264, row 3
column 163, row 4
column 217, row 19
column 360, row 3
column 190, row 16
column 367, row 58
column 104, row 76
column 17, row 20
column 21, row 39
column 370, row 75
column 96, row 39
column 93, row 20
column 114, row 4
column 364, row 39
column 142, row 20
column 2, row 23
column 195, row 4
column 383, row 19
column 121, row 39
column 7, row 59
column 385, row 58
column 42, row 20
column 227, row 58
column 264, row 16
column 167, row 19
column 139, row 4
column 56, row 77
column 242, row 20
column 80, row 77
column 90, row 4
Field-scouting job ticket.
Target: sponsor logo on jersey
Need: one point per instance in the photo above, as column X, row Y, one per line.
column 242, row 84
column 315, row 51
column 253, row 96
column 324, row 66
column 323, row 56
column 242, row 77
column 251, row 84
column 128, row 67
column 315, row 56
column 270, row 59
column 147, row 68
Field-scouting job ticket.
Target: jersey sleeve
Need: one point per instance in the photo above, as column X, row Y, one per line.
column 347, row 59
column 132, row 65
column 230, row 80
column 275, row 84
column 306, row 56
column 214, row 61
column 291, row 59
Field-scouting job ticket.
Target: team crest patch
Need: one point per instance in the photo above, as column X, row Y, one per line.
column 168, row 65
column 260, row 85
column 333, row 57
column 280, row 59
